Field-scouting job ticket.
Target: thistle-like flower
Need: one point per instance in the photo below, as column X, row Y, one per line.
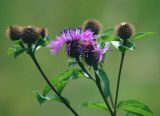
column 92, row 25
column 79, row 43
column 124, row 30
column 72, row 37
column 93, row 54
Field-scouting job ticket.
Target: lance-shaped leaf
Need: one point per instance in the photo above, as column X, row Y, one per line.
column 61, row 80
column 41, row 99
column 142, row 35
column 135, row 107
column 104, row 81
column 93, row 104
column 15, row 51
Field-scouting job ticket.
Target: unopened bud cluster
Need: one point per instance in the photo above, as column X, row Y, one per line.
column 27, row 34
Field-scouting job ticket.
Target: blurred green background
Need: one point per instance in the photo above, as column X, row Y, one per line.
column 19, row 77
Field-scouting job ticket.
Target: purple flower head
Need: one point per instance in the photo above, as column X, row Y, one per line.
column 93, row 54
column 72, row 37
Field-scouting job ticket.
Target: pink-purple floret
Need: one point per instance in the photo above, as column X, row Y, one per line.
column 71, row 34
column 101, row 52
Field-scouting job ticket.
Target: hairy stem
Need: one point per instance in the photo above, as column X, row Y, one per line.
column 118, row 82
column 51, row 86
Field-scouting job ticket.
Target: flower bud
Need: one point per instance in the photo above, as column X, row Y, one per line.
column 124, row 30
column 14, row 32
column 92, row 25
column 30, row 35
column 43, row 32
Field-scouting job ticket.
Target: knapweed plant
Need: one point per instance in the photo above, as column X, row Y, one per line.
column 86, row 49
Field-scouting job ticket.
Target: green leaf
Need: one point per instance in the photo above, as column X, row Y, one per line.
column 129, row 114
column 61, row 80
column 116, row 44
column 15, row 51
column 83, row 73
column 119, row 45
column 108, row 35
column 135, row 107
column 109, row 38
column 71, row 63
column 106, row 32
column 128, row 46
column 104, row 81
column 94, row 104
column 43, row 41
column 142, row 35
column 60, row 86
column 102, row 44
column 41, row 99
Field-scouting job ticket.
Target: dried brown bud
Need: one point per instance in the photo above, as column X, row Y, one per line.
column 43, row 32
column 14, row 32
column 92, row 25
column 30, row 35
column 124, row 30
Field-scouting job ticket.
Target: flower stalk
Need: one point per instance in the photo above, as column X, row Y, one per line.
column 50, row 84
column 124, row 31
column 111, row 98
column 97, row 81
column 102, row 94
column 118, row 82
column 85, row 70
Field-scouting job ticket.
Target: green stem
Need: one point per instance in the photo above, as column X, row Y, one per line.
column 97, row 81
column 118, row 82
column 111, row 98
column 85, row 70
column 101, row 92
column 49, row 83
